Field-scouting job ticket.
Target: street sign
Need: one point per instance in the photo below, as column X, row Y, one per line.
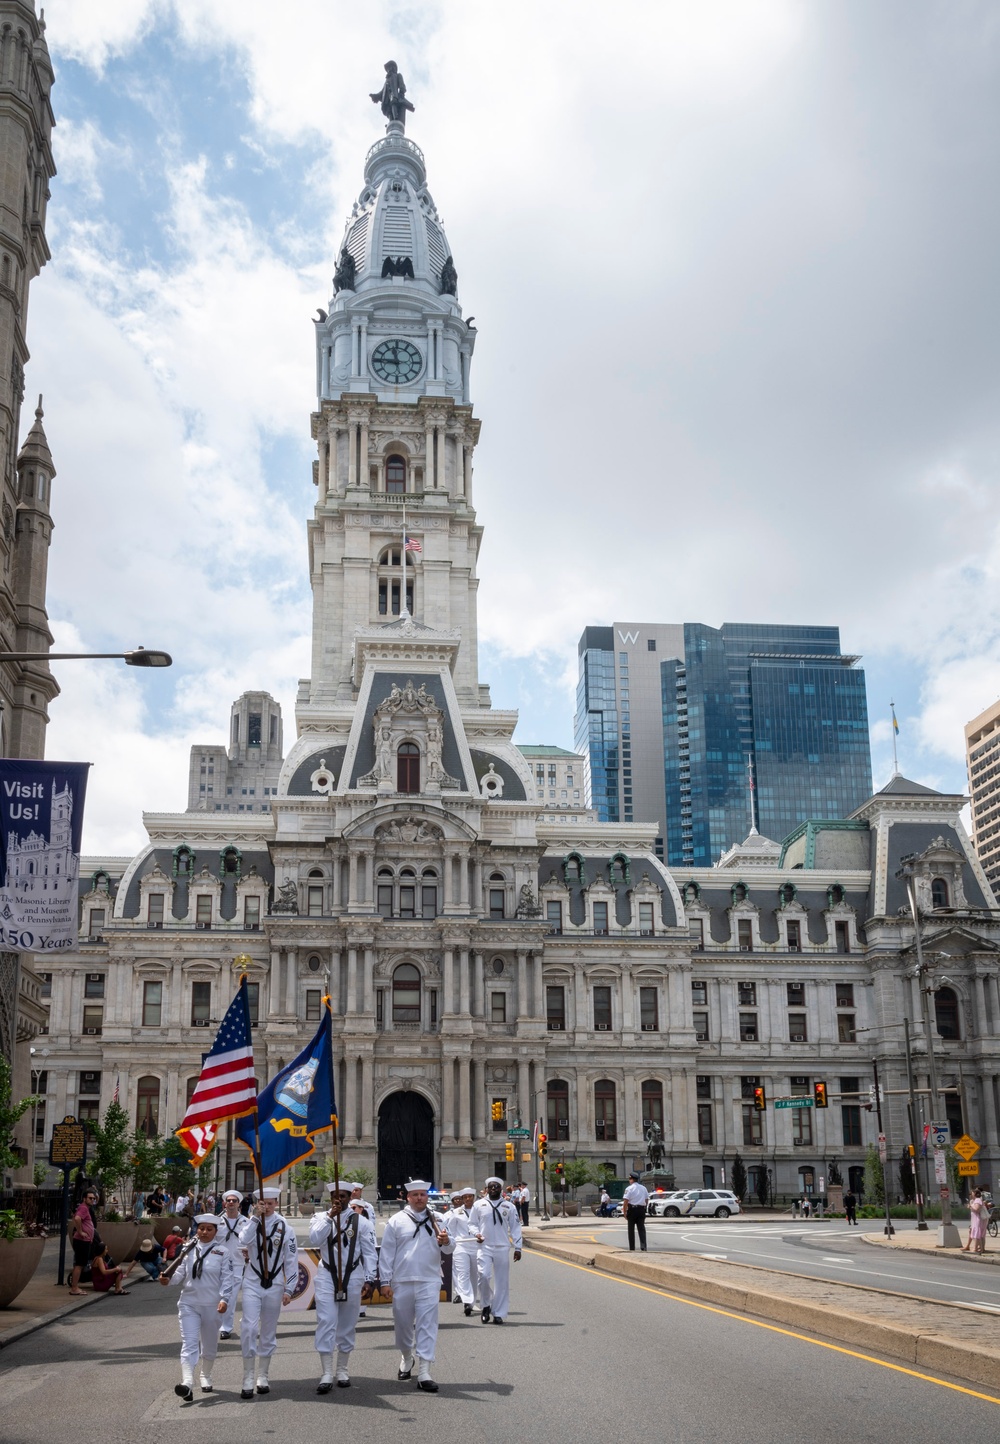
column 518, row 1132
column 966, row 1147
column 941, row 1135
column 68, row 1144
column 793, row 1103
column 968, row 1170
column 882, row 1147
column 940, row 1166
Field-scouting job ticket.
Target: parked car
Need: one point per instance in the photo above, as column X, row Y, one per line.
column 701, row 1203
column 658, row 1201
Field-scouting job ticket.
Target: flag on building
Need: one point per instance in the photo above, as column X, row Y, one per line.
column 412, row 545
column 297, row 1104
column 41, row 825
column 227, row 1087
column 895, row 724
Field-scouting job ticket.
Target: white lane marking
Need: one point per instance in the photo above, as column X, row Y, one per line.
column 979, row 1304
column 712, row 1255
column 844, row 1262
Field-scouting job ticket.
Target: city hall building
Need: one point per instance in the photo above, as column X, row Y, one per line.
column 483, row 941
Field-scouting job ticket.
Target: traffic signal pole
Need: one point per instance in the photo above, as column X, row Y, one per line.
column 889, row 1231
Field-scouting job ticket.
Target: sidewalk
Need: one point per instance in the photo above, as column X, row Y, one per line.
column 43, row 1301
column 915, row 1242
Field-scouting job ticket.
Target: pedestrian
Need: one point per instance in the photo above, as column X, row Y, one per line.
column 851, row 1208
column 806, row 1207
column 978, row 1214
column 498, row 1224
column 107, row 1276
column 269, row 1279
column 464, row 1261
column 348, row 1261
column 154, row 1203
column 173, row 1242
column 605, row 1207
column 358, row 1201
column 83, row 1236
column 150, row 1258
column 231, row 1222
column 204, row 1274
column 410, row 1273
column 635, row 1201
column 525, row 1202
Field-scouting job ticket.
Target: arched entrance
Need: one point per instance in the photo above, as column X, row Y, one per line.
column 405, row 1141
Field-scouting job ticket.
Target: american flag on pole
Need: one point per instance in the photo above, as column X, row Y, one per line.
column 227, row 1087
column 412, row 545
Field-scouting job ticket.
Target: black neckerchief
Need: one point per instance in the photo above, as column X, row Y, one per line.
column 423, row 1224
column 232, row 1225
column 351, row 1231
column 198, row 1267
column 265, row 1272
column 497, row 1214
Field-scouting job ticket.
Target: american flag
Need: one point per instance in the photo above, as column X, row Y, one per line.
column 412, row 545
column 227, row 1087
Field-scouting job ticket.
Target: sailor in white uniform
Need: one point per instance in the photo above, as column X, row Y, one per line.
column 204, row 1274
column 348, row 1266
column 231, row 1223
column 464, row 1264
column 269, row 1280
column 410, row 1273
column 497, row 1222
column 358, row 1201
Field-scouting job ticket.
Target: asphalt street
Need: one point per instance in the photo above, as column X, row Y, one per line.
column 826, row 1250
column 583, row 1357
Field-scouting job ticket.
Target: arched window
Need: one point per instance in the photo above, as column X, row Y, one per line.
column 395, row 475
column 573, row 869
column 946, row 1013
column 408, row 767
column 807, row 1181
column 557, row 1110
column 619, row 870
column 652, row 1103
column 390, row 582
column 231, row 859
column 835, row 894
column 147, row 1108
column 407, row 887
column 183, row 861
column 691, row 892
column 428, row 893
column 605, row 1111
column 739, row 892
column 406, row 994
column 383, row 892
column 939, row 893
column 786, row 893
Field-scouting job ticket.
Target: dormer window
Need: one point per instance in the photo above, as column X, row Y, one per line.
column 939, row 893
column 408, row 767
column 395, row 476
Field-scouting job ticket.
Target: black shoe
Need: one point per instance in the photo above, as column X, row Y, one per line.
column 343, row 1383
column 246, row 1393
column 468, row 1311
column 226, row 1334
column 324, row 1388
column 263, row 1389
column 404, row 1373
column 486, row 1314
column 428, row 1386
column 496, row 1320
column 183, row 1391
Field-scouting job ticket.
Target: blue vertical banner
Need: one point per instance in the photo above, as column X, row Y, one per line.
column 41, row 827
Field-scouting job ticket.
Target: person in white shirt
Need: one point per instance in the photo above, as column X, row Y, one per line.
column 525, row 1201
column 269, row 1280
column 464, row 1267
column 204, row 1273
column 497, row 1222
column 231, row 1223
column 634, row 1201
column 348, row 1264
column 410, row 1276
column 358, row 1201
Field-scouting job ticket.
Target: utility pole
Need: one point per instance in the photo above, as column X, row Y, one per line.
column 911, row 1109
column 883, row 1148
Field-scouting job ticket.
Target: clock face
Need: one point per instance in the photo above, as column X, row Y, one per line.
column 396, row 362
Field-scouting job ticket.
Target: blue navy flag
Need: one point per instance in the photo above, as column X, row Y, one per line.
column 297, row 1104
column 41, row 825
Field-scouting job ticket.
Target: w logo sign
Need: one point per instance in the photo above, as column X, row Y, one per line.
column 629, row 638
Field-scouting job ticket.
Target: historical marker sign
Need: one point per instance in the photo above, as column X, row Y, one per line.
column 68, row 1145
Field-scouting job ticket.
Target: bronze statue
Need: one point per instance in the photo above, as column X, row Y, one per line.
column 392, row 96
column 343, row 276
column 654, row 1147
column 449, row 278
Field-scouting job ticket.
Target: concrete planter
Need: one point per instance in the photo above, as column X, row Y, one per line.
column 163, row 1225
column 19, row 1257
column 307, row 1209
column 121, row 1238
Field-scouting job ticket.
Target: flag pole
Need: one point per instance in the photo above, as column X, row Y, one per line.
column 340, row 1283
column 404, row 611
column 895, row 730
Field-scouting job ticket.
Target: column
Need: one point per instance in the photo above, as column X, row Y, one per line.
column 369, row 982
column 522, row 984
column 523, row 1095
column 352, row 880
column 477, row 985
column 352, row 981
column 477, row 885
column 463, row 882
column 463, row 985
column 324, row 469
column 476, row 1092
column 628, row 1020
column 352, row 453
column 464, row 1099
column 447, row 1098
column 367, row 1096
column 580, row 997
column 369, row 861
column 324, row 384
column 363, row 469
column 430, row 480
column 274, row 984
column 350, row 1102
column 172, row 1100
column 292, row 982
column 355, row 348
column 538, row 1008
column 448, row 998
column 363, row 361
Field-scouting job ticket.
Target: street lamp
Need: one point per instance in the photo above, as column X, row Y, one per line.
column 138, row 657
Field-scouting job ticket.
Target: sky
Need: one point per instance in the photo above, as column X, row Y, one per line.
column 733, row 269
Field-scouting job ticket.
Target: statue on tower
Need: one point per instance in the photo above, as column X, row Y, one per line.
column 392, row 96
column 449, row 278
column 343, row 276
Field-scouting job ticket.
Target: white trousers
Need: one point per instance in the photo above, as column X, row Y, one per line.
column 415, row 1316
column 261, row 1311
column 336, row 1322
column 464, row 1273
column 494, row 1278
column 228, row 1319
column 199, row 1331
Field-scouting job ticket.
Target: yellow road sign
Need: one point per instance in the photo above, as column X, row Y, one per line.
column 968, row 1170
column 966, row 1147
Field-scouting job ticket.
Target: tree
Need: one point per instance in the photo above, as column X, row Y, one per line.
column 177, row 1165
column 148, row 1168
column 111, row 1159
column 874, row 1182
column 739, row 1178
column 11, row 1114
column 602, row 1174
column 576, row 1172
column 763, row 1189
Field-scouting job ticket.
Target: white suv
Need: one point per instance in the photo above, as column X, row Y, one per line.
column 702, row 1203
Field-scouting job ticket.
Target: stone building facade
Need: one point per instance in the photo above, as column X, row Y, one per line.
column 478, row 947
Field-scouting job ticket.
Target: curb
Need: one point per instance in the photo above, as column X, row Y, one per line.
column 930, row 1345
column 73, row 1306
column 991, row 1258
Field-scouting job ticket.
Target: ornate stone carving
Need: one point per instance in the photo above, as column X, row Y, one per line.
column 527, row 905
column 287, row 900
column 322, row 780
column 406, row 714
column 408, row 830
column 491, row 785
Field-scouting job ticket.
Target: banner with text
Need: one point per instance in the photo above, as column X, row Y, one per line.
column 41, row 825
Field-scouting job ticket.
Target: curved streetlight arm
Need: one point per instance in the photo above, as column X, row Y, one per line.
column 138, row 657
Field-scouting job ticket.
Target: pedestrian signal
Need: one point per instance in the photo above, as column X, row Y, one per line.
column 759, row 1099
column 911, row 1150
column 543, row 1144
column 819, row 1095
column 497, row 1111
column 509, row 1153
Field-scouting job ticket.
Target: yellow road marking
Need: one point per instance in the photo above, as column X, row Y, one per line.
column 773, row 1329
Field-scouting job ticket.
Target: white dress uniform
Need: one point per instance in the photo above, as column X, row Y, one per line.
column 228, row 1238
column 206, row 1278
column 410, row 1263
column 464, row 1266
column 270, row 1246
column 500, row 1226
column 336, row 1320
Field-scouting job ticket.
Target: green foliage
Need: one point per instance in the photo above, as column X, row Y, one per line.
column 738, row 1182
column 602, row 1174
column 11, row 1226
column 357, row 1173
column 11, row 1114
column 874, row 1181
column 110, row 1160
column 39, row 1173
column 177, row 1165
column 576, row 1171
column 310, row 1176
column 763, row 1189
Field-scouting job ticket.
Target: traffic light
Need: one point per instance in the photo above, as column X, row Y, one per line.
column 759, row 1099
column 543, row 1144
column 509, row 1153
column 497, row 1110
column 819, row 1095
column 911, row 1150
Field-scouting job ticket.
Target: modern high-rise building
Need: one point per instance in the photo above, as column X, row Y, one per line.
column 678, row 721
column 982, row 757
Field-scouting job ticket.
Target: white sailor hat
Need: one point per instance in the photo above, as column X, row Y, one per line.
column 267, row 1193
column 464, row 1192
column 494, row 1179
column 418, row 1185
column 456, row 1193
column 232, row 1193
column 340, row 1187
column 212, row 1218
column 356, row 1187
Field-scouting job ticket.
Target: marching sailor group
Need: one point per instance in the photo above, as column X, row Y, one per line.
column 259, row 1254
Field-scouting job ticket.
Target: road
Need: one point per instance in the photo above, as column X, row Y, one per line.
column 824, row 1250
column 583, row 1357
